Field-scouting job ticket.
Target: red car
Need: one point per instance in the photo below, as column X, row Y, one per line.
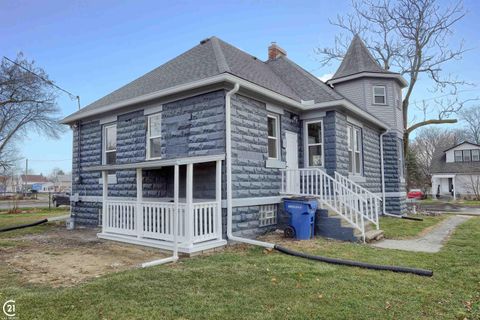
column 415, row 194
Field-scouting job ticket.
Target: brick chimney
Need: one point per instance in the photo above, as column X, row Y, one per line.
column 275, row 51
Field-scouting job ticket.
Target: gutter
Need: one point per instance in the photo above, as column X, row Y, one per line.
column 225, row 77
column 228, row 142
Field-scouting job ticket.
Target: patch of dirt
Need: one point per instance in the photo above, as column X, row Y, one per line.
column 64, row 258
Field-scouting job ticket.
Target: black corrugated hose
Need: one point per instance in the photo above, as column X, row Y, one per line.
column 24, row 225
column 419, row 272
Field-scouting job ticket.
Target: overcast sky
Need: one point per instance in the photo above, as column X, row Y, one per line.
column 93, row 47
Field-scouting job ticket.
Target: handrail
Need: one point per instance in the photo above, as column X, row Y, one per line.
column 358, row 188
column 344, row 198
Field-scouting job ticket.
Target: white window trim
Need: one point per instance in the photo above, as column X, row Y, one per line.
column 277, row 137
column 149, row 138
column 360, row 134
column 104, row 138
column 384, row 95
column 455, row 156
column 306, row 144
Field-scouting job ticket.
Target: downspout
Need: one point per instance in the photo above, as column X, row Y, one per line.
column 228, row 147
column 382, row 168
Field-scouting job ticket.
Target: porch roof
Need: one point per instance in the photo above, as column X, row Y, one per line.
column 153, row 164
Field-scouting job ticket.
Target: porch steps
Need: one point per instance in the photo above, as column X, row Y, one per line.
column 330, row 225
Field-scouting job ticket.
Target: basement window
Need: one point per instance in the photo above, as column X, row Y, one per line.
column 154, row 135
column 379, row 95
column 268, row 215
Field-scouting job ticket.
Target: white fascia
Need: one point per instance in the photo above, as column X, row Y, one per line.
column 397, row 77
column 226, row 77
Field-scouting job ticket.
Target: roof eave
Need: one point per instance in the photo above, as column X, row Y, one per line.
column 395, row 76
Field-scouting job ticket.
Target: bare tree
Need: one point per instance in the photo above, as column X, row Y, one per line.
column 426, row 143
column 27, row 103
column 413, row 38
column 473, row 186
column 471, row 117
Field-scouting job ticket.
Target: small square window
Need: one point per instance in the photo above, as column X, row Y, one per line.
column 268, row 215
column 379, row 95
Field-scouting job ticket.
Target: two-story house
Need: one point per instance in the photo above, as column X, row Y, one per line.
column 218, row 137
column 456, row 171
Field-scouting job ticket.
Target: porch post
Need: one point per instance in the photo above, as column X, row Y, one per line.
column 176, row 212
column 189, row 210
column 138, row 207
column 104, row 199
column 454, row 188
column 218, row 199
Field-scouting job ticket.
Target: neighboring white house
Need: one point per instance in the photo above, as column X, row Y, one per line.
column 456, row 171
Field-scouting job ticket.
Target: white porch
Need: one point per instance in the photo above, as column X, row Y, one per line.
column 444, row 185
column 150, row 222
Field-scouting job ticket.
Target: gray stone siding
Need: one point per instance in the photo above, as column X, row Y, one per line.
column 371, row 160
column 393, row 180
column 190, row 127
column 250, row 176
column 245, row 222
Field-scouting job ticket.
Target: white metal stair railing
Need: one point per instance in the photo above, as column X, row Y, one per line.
column 371, row 203
column 337, row 196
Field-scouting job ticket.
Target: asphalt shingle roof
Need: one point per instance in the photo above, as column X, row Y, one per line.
column 439, row 164
column 358, row 59
column 214, row 56
column 304, row 83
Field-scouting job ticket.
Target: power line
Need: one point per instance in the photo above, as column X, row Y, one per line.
column 71, row 95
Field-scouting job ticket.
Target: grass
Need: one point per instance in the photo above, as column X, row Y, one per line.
column 247, row 283
column 468, row 203
column 395, row 228
column 27, row 215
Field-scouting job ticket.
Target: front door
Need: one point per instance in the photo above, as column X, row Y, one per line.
column 293, row 177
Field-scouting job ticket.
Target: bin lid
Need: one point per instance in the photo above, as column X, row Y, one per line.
column 300, row 199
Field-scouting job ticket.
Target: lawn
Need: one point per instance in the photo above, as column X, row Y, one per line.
column 249, row 283
column 395, row 228
column 27, row 215
column 468, row 203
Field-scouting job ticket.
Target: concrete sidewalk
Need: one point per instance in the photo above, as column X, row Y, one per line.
column 431, row 242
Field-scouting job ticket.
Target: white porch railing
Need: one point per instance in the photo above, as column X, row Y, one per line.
column 353, row 204
column 155, row 221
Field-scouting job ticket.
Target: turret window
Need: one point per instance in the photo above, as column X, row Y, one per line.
column 379, row 95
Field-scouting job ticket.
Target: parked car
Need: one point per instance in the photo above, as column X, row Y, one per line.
column 61, row 199
column 415, row 194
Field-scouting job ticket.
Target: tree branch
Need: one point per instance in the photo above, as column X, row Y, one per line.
column 428, row 122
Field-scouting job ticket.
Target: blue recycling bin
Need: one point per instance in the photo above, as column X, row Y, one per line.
column 302, row 217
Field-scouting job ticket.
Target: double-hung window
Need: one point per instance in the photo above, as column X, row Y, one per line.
column 476, row 155
column 273, row 136
column 314, row 143
column 110, row 144
column 467, row 156
column 379, row 95
column 154, row 135
column 354, row 144
column 458, row 156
